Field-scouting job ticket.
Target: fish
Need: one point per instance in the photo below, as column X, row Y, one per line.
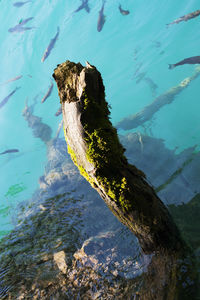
column 50, row 46
column 84, row 5
column 12, row 79
column 9, row 151
column 19, row 27
column 23, row 22
column 123, row 12
column 189, row 60
column 19, row 4
column 59, row 111
column 101, row 18
column 186, row 17
column 5, row 100
column 48, row 94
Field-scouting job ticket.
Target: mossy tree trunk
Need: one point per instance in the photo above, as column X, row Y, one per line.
column 95, row 149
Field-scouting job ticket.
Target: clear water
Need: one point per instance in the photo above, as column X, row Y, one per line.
column 139, row 40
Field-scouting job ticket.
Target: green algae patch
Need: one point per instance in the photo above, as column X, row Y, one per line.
column 81, row 169
column 104, row 150
column 101, row 137
column 187, row 217
column 74, row 159
column 15, row 189
column 5, row 211
column 117, row 190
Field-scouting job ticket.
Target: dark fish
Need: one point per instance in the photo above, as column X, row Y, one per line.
column 23, row 22
column 190, row 60
column 19, row 4
column 101, row 19
column 51, row 45
column 12, row 79
column 22, row 29
column 19, row 27
column 5, row 100
column 9, row 151
column 122, row 11
column 186, row 17
column 59, row 111
column 84, row 5
column 48, row 94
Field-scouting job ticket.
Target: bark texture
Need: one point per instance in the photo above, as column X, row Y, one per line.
column 95, row 149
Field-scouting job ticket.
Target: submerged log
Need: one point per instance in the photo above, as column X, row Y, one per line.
column 138, row 119
column 95, row 149
column 185, row 18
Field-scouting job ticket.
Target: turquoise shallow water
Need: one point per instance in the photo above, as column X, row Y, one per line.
column 127, row 50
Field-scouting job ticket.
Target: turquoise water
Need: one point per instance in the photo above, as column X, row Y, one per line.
column 139, row 42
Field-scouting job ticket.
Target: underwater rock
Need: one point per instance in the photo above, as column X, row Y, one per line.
column 102, row 250
column 133, row 121
column 67, row 244
column 55, row 225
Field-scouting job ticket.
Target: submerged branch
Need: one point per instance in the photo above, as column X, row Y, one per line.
column 185, row 18
column 133, row 121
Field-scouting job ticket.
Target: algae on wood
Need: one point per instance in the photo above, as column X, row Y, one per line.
column 95, row 149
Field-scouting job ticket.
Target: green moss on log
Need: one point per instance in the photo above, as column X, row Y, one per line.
column 104, row 150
